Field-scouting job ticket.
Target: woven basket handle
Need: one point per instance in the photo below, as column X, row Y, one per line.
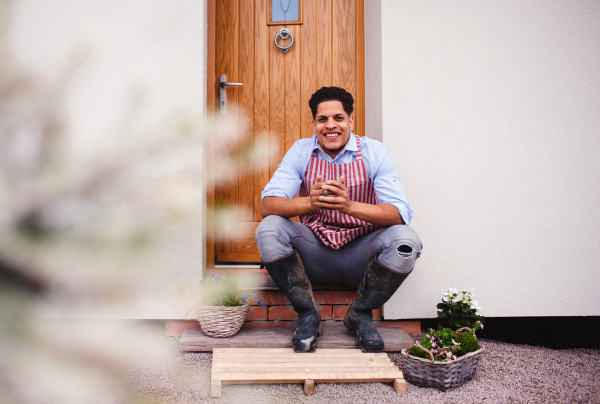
column 424, row 349
column 460, row 330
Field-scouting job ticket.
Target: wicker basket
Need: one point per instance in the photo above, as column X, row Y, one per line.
column 221, row 321
column 440, row 375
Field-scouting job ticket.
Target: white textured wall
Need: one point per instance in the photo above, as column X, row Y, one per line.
column 147, row 63
column 491, row 111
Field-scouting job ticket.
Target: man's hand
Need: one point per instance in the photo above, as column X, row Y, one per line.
column 381, row 214
column 316, row 192
column 340, row 202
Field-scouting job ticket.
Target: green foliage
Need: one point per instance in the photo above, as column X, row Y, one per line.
column 458, row 309
column 468, row 342
column 446, row 345
column 220, row 292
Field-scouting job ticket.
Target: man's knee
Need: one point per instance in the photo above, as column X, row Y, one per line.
column 271, row 223
column 273, row 236
column 402, row 248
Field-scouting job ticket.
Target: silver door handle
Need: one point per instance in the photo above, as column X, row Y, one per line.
column 223, row 93
column 224, row 83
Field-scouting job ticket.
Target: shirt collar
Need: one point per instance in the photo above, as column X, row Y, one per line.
column 350, row 145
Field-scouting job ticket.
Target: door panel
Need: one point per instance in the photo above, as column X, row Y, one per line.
column 276, row 91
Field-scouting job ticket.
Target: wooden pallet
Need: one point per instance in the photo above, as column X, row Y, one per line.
column 283, row 365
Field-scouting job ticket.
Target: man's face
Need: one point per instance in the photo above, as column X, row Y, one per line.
column 332, row 126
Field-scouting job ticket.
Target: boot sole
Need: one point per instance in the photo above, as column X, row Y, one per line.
column 313, row 347
column 367, row 349
column 362, row 347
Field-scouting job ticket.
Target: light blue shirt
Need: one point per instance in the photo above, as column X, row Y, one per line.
column 379, row 165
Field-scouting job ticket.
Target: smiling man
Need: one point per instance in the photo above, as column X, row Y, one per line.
column 353, row 222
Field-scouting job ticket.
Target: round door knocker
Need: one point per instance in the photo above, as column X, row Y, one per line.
column 284, row 34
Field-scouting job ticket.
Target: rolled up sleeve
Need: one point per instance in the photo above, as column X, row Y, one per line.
column 389, row 187
column 287, row 178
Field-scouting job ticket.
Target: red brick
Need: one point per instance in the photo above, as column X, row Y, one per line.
column 339, row 311
column 270, row 298
column 288, row 313
column 411, row 327
column 326, row 312
column 257, row 313
column 282, row 313
column 334, row 297
column 175, row 328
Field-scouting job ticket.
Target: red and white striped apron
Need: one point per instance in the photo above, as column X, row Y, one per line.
column 334, row 228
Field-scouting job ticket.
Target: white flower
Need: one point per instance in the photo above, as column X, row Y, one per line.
column 472, row 307
column 444, row 299
column 477, row 308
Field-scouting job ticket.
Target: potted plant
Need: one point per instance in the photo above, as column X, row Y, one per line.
column 449, row 356
column 459, row 309
column 443, row 359
column 222, row 309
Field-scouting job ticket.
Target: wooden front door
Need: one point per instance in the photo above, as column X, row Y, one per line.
column 327, row 50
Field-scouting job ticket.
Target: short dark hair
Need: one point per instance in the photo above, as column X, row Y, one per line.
column 331, row 94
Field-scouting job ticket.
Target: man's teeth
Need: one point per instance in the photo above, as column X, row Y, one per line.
column 331, row 134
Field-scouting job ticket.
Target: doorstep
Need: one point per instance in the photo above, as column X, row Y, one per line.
column 194, row 340
column 175, row 328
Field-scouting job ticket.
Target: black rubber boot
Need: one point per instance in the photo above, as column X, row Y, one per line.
column 376, row 288
column 290, row 277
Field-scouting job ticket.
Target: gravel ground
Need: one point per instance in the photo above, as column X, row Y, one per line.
column 507, row 373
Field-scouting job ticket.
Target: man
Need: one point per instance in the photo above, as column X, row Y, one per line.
column 354, row 222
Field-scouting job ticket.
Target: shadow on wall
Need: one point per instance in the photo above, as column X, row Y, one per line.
column 549, row 332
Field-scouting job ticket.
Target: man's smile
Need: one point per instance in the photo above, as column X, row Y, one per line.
column 332, row 126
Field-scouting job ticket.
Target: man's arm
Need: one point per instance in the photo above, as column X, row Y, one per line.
column 285, row 207
column 290, row 207
column 384, row 214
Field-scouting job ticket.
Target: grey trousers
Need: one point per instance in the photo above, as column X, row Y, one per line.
column 396, row 247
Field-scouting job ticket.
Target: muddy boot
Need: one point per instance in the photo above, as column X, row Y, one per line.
column 290, row 277
column 376, row 288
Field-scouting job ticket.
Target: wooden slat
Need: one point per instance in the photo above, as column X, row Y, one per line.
column 227, row 64
column 344, row 42
column 246, row 103
column 262, row 44
column 346, row 364
column 288, row 351
column 299, row 377
column 242, row 247
column 359, row 114
column 277, row 100
column 294, row 359
column 292, row 90
column 330, row 367
column 323, row 43
column 308, row 83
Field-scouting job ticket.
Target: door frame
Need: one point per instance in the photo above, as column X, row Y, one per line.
column 211, row 110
